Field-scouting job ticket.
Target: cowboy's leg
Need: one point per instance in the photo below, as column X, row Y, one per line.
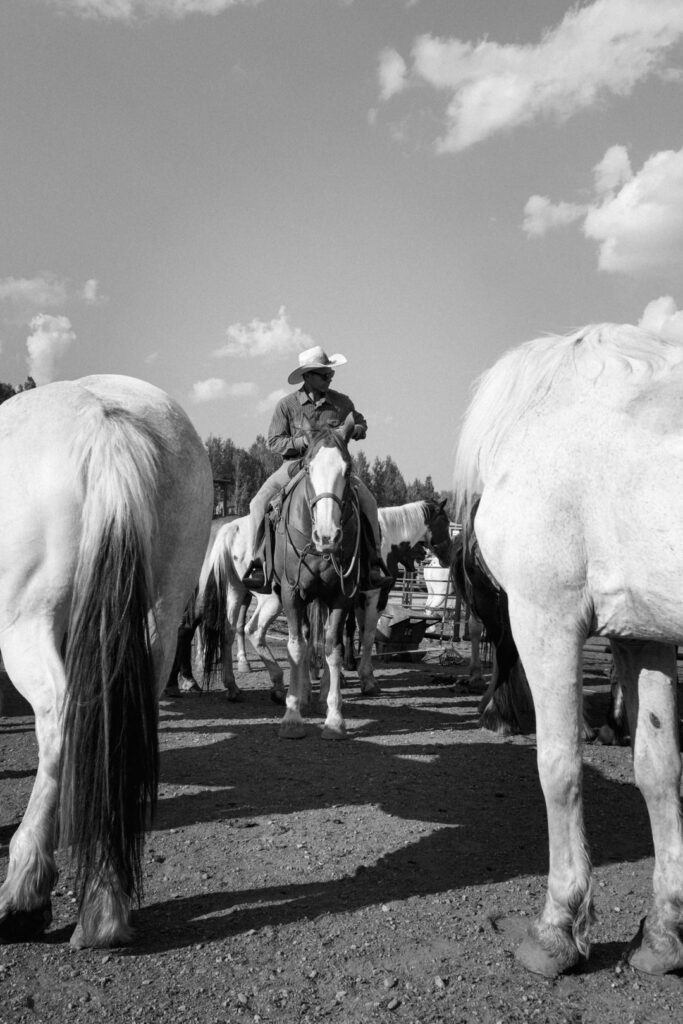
column 258, row 506
column 379, row 576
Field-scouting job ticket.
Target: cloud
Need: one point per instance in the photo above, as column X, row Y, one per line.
column 215, row 388
column 260, row 338
column 540, row 215
column 271, row 400
column 23, row 297
column 51, row 337
column 91, row 295
column 662, row 317
column 636, row 218
column 600, row 49
column 132, row 10
column 391, row 73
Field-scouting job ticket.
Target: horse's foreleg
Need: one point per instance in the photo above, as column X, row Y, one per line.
column 335, row 726
column 367, row 627
column 35, row 667
column 552, row 657
column 292, row 724
column 649, row 677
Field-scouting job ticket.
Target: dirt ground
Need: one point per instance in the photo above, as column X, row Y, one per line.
column 387, row 877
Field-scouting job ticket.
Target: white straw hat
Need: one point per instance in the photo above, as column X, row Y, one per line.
column 314, row 359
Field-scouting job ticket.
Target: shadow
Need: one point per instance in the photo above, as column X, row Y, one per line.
column 478, row 795
column 12, row 704
column 481, row 798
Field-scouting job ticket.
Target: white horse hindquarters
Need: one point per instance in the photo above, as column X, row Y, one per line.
column 97, row 552
column 574, row 445
column 38, row 552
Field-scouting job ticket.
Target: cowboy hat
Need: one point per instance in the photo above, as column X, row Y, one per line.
column 314, row 359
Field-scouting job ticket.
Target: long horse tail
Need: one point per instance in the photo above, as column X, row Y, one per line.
column 110, row 763
column 213, row 600
column 317, row 620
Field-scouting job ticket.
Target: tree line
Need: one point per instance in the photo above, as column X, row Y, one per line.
column 244, row 470
column 8, row 390
column 239, row 472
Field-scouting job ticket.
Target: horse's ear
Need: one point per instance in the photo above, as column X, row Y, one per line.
column 442, row 504
column 347, row 428
column 307, row 426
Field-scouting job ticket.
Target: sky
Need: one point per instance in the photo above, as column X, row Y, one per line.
column 194, row 191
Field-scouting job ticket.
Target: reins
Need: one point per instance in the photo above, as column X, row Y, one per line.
column 309, row 548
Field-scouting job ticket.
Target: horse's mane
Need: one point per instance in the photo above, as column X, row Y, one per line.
column 524, row 377
column 403, row 522
column 327, row 437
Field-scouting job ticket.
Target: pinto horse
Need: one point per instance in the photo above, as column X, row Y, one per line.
column 573, row 449
column 104, row 516
column 222, row 604
column 403, row 528
column 318, row 559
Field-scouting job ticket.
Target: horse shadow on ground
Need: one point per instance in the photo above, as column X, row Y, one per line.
column 481, row 799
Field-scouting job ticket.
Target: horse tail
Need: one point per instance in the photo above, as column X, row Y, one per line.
column 215, row 579
column 109, row 766
column 213, row 621
column 317, row 620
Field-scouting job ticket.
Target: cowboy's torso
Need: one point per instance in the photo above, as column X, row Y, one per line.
column 298, row 412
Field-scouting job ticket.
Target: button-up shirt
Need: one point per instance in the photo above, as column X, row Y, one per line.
column 296, row 413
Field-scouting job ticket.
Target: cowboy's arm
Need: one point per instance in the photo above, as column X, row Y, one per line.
column 280, row 431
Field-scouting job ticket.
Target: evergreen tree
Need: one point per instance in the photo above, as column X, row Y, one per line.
column 388, row 484
column 361, row 467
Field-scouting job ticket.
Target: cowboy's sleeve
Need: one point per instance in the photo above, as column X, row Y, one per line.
column 280, row 438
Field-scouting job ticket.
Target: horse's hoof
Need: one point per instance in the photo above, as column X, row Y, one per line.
column 331, row 732
column 278, row 697
column 292, row 730
column 641, row 955
column 607, row 736
column 24, row 925
column 234, row 696
column 536, row 959
column 370, row 690
column 124, row 936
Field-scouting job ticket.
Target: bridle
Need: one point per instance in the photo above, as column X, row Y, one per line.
column 349, row 497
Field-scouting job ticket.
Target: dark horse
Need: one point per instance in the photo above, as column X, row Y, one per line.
column 317, row 558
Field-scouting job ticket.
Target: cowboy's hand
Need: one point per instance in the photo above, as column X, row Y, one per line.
column 301, row 443
column 361, row 428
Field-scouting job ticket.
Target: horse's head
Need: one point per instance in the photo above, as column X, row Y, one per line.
column 329, row 469
column 438, row 526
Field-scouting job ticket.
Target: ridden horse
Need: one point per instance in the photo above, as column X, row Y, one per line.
column 573, row 448
column 225, row 599
column 104, row 516
column 318, row 564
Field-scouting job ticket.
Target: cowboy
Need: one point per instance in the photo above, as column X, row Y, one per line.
column 313, row 405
